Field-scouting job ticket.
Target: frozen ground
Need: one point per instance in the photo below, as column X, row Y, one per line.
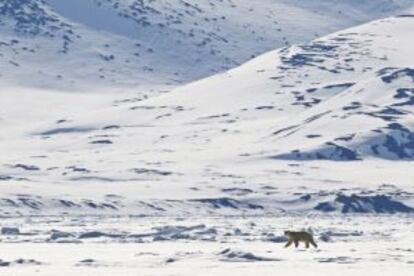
column 361, row 245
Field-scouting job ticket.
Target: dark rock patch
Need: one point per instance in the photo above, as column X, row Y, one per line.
column 101, row 142
column 381, row 204
column 229, row 255
column 10, row 231
column 151, row 171
column 224, row 202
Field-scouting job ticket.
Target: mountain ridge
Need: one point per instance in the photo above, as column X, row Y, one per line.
column 146, row 45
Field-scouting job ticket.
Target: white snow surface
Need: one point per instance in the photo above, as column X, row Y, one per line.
column 204, row 179
column 205, row 246
column 330, row 115
column 146, row 45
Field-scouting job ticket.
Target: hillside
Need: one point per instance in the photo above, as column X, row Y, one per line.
column 233, row 136
column 142, row 45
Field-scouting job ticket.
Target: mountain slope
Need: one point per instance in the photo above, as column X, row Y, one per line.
column 234, row 142
column 344, row 97
column 112, row 44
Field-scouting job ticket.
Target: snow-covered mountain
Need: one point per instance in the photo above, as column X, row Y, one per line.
column 240, row 141
column 114, row 44
column 317, row 136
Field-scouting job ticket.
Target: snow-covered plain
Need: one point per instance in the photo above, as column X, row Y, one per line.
column 204, row 179
column 359, row 245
